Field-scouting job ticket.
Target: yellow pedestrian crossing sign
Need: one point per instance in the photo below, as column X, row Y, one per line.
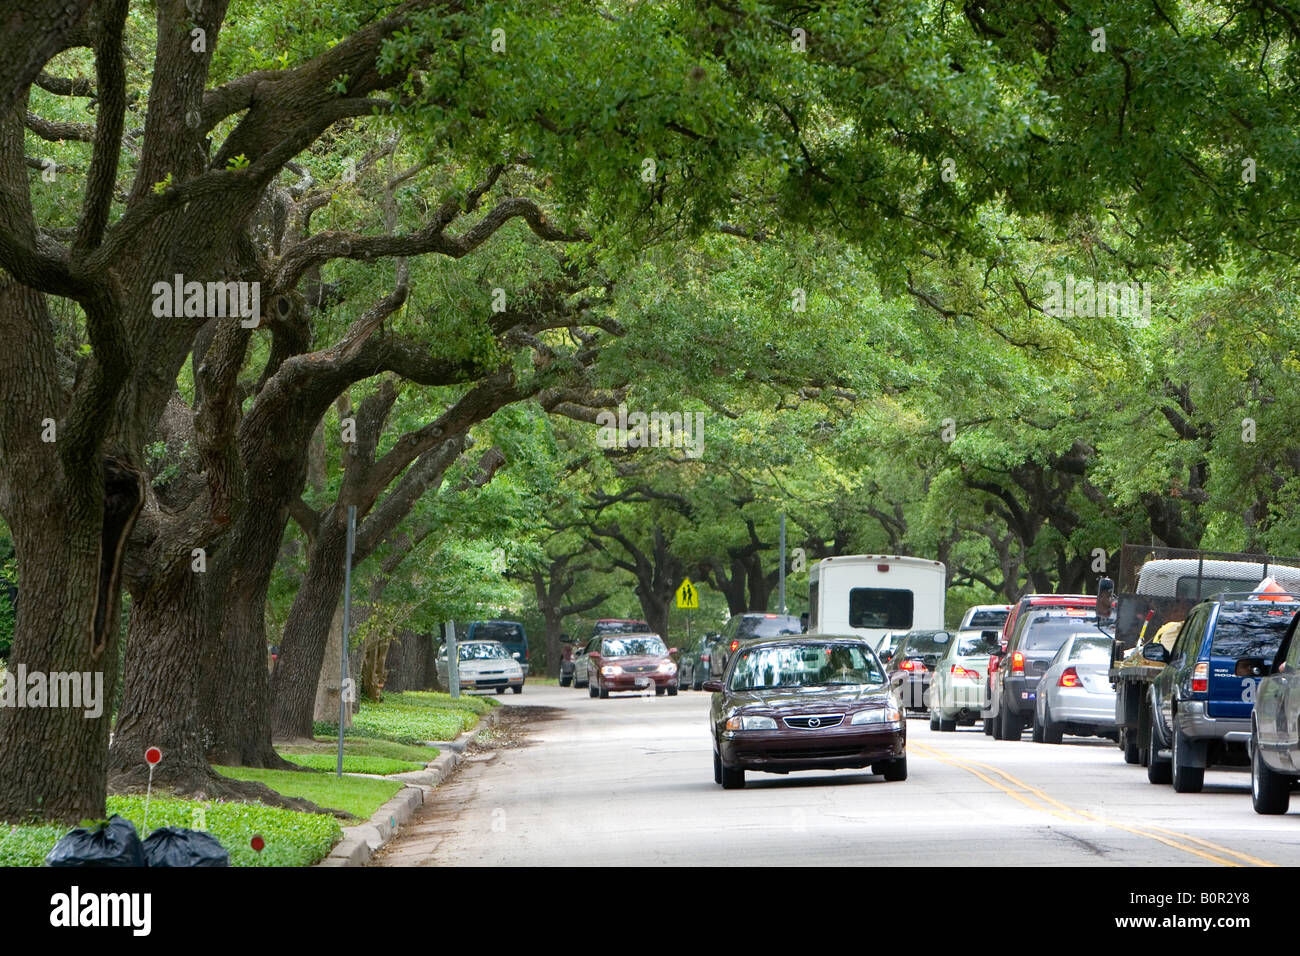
column 687, row 596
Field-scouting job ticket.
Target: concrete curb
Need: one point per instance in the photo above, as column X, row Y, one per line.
column 360, row 842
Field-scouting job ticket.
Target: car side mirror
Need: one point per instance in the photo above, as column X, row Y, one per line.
column 1156, row 653
column 712, row 686
column 1252, row 667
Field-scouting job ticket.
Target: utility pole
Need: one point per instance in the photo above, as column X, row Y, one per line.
column 781, row 577
column 344, row 679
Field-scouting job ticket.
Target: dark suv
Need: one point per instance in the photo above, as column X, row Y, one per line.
column 1030, row 647
column 745, row 627
column 1201, row 701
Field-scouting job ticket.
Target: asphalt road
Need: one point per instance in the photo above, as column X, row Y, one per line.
column 630, row 780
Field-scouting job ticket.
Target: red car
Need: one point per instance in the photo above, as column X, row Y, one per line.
column 631, row 662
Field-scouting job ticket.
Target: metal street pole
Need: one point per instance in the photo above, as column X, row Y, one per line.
column 347, row 629
column 781, row 578
column 453, row 660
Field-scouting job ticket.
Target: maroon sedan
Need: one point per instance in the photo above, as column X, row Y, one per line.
column 632, row 662
column 813, row 702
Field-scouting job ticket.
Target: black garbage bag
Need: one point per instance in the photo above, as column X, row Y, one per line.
column 114, row 843
column 176, row 846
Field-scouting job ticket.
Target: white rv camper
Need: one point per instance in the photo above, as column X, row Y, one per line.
column 873, row 594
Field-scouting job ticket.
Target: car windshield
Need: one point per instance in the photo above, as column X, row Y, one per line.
column 805, row 665
column 1089, row 649
column 481, row 652
column 621, row 627
column 972, row 643
column 919, row 643
column 629, row 646
column 1049, row 632
column 773, row 626
column 1251, row 631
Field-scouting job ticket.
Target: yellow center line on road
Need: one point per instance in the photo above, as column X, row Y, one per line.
column 1074, row 815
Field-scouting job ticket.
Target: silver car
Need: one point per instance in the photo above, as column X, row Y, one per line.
column 957, row 685
column 1075, row 694
column 482, row 665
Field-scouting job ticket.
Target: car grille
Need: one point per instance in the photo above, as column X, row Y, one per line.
column 800, row 754
column 640, row 668
column 814, row 721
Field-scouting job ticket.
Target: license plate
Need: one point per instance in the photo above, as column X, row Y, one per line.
column 642, row 681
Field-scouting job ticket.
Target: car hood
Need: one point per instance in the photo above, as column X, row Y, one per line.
column 811, row 698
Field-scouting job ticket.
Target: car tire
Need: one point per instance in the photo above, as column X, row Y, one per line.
column 592, row 691
column 717, row 768
column 1052, row 733
column 519, row 689
column 1037, row 727
column 1184, row 777
column 894, row 770
column 603, row 692
column 696, row 683
column 566, row 681
column 1270, row 791
column 1129, row 742
column 500, row 690
column 1009, row 725
column 947, row 726
column 732, row 779
column 672, row 690
column 988, row 726
column 660, row 689
column 934, row 720
column 1159, row 769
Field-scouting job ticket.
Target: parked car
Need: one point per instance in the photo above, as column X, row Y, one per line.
column 814, row 702
column 745, row 627
column 569, row 650
column 1038, row 635
column 1075, row 695
column 630, row 662
column 1274, row 737
column 957, row 681
column 982, row 617
column 509, row 633
column 693, row 666
column 1064, row 602
column 1202, row 700
column 482, row 665
column 913, row 664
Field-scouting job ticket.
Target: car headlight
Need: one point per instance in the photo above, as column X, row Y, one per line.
column 877, row 715
column 739, row 722
column 610, row 670
column 668, row 667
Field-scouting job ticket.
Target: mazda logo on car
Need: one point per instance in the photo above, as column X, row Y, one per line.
column 814, row 721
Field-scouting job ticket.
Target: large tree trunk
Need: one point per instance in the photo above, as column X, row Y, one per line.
column 160, row 704
column 306, row 634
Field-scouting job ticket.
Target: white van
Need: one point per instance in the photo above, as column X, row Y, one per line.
column 873, row 594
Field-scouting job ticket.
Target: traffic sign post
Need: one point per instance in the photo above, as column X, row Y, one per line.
column 689, row 599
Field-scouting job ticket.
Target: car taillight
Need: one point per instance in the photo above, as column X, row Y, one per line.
column 962, row 672
column 913, row 665
column 1017, row 663
column 1069, row 678
column 735, row 644
column 1201, row 678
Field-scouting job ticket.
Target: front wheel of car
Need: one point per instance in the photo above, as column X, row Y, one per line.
column 566, row 681
column 988, row 726
column 934, row 720
column 1270, row 791
column 672, row 690
column 604, row 693
column 592, row 690
column 519, row 689
column 893, row 770
column 659, row 690
column 1185, row 777
column 696, row 683
column 1158, row 767
column 947, row 726
column 732, row 779
column 717, row 768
